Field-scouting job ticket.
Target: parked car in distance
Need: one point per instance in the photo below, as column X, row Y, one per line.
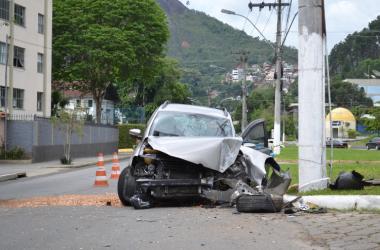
column 373, row 143
column 336, row 143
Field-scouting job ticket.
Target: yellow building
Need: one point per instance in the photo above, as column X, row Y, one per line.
column 342, row 121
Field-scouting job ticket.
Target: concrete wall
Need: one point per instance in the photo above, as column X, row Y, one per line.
column 43, row 141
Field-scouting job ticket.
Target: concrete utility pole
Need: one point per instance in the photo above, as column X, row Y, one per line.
column 277, row 94
column 45, row 61
column 243, row 63
column 243, row 60
column 277, row 98
column 311, row 122
column 11, row 53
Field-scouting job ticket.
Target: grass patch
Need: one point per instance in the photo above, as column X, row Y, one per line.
column 369, row 171
column 291, row 153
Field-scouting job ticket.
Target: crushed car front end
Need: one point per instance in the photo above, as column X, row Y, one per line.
column 190, row 152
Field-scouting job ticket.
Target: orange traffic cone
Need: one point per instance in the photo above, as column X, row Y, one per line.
column 100, row 160
column 115, row 172
column 101, row 175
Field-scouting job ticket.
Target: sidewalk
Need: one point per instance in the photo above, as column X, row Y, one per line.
column 9, row 171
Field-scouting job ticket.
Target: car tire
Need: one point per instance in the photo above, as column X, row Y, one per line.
column 126, row 186
column 259, row 203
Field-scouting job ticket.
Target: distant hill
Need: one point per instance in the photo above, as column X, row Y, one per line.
column 347, row 57
column 198, row 40
column 205, row 49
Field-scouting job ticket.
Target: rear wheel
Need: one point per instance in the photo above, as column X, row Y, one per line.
column 126, row 186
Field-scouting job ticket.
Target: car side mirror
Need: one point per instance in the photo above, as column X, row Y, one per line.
column 136, row 133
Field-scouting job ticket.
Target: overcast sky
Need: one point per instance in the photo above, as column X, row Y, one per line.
column 342, row 17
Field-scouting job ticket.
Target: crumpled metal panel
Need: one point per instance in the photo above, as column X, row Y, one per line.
column 212, row 152
column 256, row 162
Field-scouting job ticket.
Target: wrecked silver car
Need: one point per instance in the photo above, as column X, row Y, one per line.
column 191, row 151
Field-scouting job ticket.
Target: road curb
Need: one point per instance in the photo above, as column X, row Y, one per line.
column 29, row 161
column 342, row 202
column 88, row 163
column 12, row 176
column 15, row 175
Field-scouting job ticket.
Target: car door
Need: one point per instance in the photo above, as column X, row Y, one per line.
column 255, row 136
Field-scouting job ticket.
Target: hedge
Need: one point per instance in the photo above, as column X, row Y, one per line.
column 125, row 140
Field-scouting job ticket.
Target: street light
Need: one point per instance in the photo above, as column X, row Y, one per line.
column 230, row 12
column 244, row 87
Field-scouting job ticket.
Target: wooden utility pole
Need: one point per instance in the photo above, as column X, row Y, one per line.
column 277, row 101
column 311, row 122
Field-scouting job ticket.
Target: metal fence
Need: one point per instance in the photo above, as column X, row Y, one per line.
column 42, row 140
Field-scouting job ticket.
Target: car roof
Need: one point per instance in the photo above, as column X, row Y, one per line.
column 185, row 108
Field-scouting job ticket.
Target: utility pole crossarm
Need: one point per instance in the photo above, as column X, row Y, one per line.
column 263, row 5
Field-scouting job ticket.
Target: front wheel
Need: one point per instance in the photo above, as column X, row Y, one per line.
column 126, row 186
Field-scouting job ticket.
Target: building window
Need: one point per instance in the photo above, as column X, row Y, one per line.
column 40, row 63
column 18, row 59
column 19, row 15
column 4, row 9
column 78, row 102
column 89, row 103
column 40, row 23
column 39, row 101
column 2, row 96
column 18, row 98
column 3, row 53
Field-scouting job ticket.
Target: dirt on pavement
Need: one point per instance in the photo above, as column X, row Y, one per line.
column 64, row 200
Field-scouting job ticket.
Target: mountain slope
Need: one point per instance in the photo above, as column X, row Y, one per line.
column 346, row 56
column 198, row 40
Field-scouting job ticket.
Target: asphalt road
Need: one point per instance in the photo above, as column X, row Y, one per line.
column 112, row 227
column 73, row 181
column 158, row 228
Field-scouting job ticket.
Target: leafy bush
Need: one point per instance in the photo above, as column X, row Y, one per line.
column 15, row 153
column 125, row 140
column 351, row 133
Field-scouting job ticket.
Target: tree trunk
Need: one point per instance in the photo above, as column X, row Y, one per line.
column 98, row 104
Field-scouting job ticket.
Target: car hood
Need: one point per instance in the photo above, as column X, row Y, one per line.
column 217, row 153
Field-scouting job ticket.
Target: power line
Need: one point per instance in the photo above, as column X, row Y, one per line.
column 287, row 18
column 270, row 15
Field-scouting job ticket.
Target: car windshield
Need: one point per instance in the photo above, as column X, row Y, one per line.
column 187, row 124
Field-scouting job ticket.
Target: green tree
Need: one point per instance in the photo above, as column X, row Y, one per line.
column 374, row 124
column 348, row 95
column 100, row 42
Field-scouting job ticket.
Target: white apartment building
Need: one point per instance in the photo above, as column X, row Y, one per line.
column 29, row 71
